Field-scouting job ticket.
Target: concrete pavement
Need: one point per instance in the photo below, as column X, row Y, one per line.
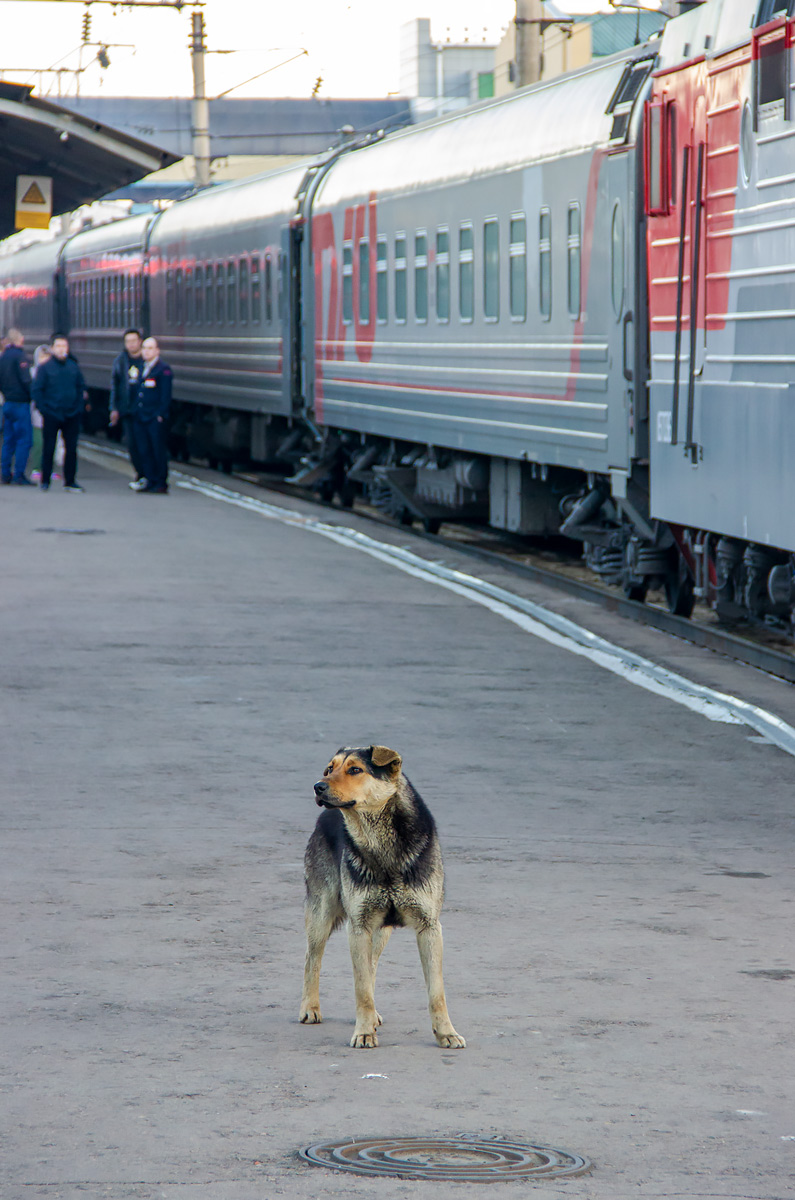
column 619, row 926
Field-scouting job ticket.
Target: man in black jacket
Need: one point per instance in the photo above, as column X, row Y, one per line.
column 124, row 379
column 17, row 428
column 151, row 406
column 59, row 395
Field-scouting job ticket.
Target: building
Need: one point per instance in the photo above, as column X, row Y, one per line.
column 246, row 135
column 439, row 77
column 571, row 42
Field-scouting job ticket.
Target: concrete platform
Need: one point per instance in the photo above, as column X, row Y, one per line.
column 619, row 916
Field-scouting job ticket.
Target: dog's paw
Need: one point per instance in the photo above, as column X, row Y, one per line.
column 450, row 1041
column 310, row 1015
column 364, row 1041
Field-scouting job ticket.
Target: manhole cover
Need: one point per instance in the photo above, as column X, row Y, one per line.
column 464, row 1159
column 65, row 529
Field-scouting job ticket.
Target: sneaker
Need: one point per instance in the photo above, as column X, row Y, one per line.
column 45, row 487
column 158, row 491
column 6, row 480
column 137, row 485
column 73, row 487
column 23, row 481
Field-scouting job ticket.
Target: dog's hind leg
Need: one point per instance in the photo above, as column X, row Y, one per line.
column 362, row 957
column 429, row 943
column 380, row 939
column 321, row 920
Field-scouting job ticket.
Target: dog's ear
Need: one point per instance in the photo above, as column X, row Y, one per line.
column 382, row 756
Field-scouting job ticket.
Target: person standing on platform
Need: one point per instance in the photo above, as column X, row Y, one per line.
column 151, row 406
column 124, row 379
column 17, row 427
column 59, row 392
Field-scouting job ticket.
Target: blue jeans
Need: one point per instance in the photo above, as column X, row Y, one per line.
column 17, row 438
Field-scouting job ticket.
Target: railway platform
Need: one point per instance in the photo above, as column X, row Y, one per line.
column 619, row 859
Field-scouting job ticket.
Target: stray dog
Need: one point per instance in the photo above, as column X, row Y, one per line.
column 374, row 860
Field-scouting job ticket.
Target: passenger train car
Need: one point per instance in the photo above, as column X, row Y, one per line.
column 569, row 310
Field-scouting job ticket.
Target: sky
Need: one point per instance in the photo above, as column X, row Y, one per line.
column 352, row 47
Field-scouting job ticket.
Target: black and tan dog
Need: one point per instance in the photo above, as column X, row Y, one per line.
column 374, row 860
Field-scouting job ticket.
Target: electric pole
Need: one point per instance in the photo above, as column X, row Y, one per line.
column 529, row 21
column 200, row 110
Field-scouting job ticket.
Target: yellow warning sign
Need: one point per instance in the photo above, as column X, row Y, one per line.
column 34, row 201
column 33, row 195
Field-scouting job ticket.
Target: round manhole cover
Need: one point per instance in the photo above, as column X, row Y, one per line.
column 464, row 1159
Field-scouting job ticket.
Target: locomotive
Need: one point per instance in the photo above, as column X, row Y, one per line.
column 565, row 311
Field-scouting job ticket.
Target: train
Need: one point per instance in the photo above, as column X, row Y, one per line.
column 569, row 311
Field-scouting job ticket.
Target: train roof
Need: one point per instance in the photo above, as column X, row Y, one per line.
column 237, row 204
column 553, row 119
column 129, row 233
column 708, row 30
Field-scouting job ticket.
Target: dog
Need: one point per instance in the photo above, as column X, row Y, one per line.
column 373, row 860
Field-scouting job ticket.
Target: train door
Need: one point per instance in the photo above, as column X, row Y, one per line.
column 290, row 313
column 617, row 225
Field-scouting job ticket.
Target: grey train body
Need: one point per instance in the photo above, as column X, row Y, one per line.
column 455, row 319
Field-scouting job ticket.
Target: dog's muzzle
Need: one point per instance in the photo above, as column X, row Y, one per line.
column 324, row 798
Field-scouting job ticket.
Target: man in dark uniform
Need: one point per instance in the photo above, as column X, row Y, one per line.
column 126, row 373
column 59, row 393
column 17, row 427
column 151, row 405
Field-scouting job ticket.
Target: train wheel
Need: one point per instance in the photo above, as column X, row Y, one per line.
column 406, row 517
column 431, row 524
column 679, row 593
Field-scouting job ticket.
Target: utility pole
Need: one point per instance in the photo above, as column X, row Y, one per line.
column 200, row 109
column 529, row 22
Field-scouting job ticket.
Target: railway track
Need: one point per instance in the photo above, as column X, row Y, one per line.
column 766, row 649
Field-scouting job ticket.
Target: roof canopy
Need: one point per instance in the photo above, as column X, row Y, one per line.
column 85, row 159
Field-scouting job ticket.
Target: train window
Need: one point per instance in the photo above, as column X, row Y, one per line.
column 364, row 282
column 573, row 260
column 466, row 272
column 231, row 293
column 94, row 304
column 545, row 264
column 243, row 292
column 401, row 302
column 256, row 291
column 197, row 310
column 209, row 295
column 491, row 270
column 617, row 260
column 421, row 276
column 220, row 296
column 518, row 268
column 381, row 282
column 190, row 298
column 657, row 185
column 442, row 275
column 772, row 54
column 169, row 297
column 347, row 283
column 268, row 289
column 179, row 297
column 124, row 301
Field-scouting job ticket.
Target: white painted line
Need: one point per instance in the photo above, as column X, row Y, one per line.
column 531, row 617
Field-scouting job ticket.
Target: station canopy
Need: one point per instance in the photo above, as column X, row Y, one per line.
column 84, row 158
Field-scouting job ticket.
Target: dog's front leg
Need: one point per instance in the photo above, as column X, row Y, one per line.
column 361, row 944
column 429, row 943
